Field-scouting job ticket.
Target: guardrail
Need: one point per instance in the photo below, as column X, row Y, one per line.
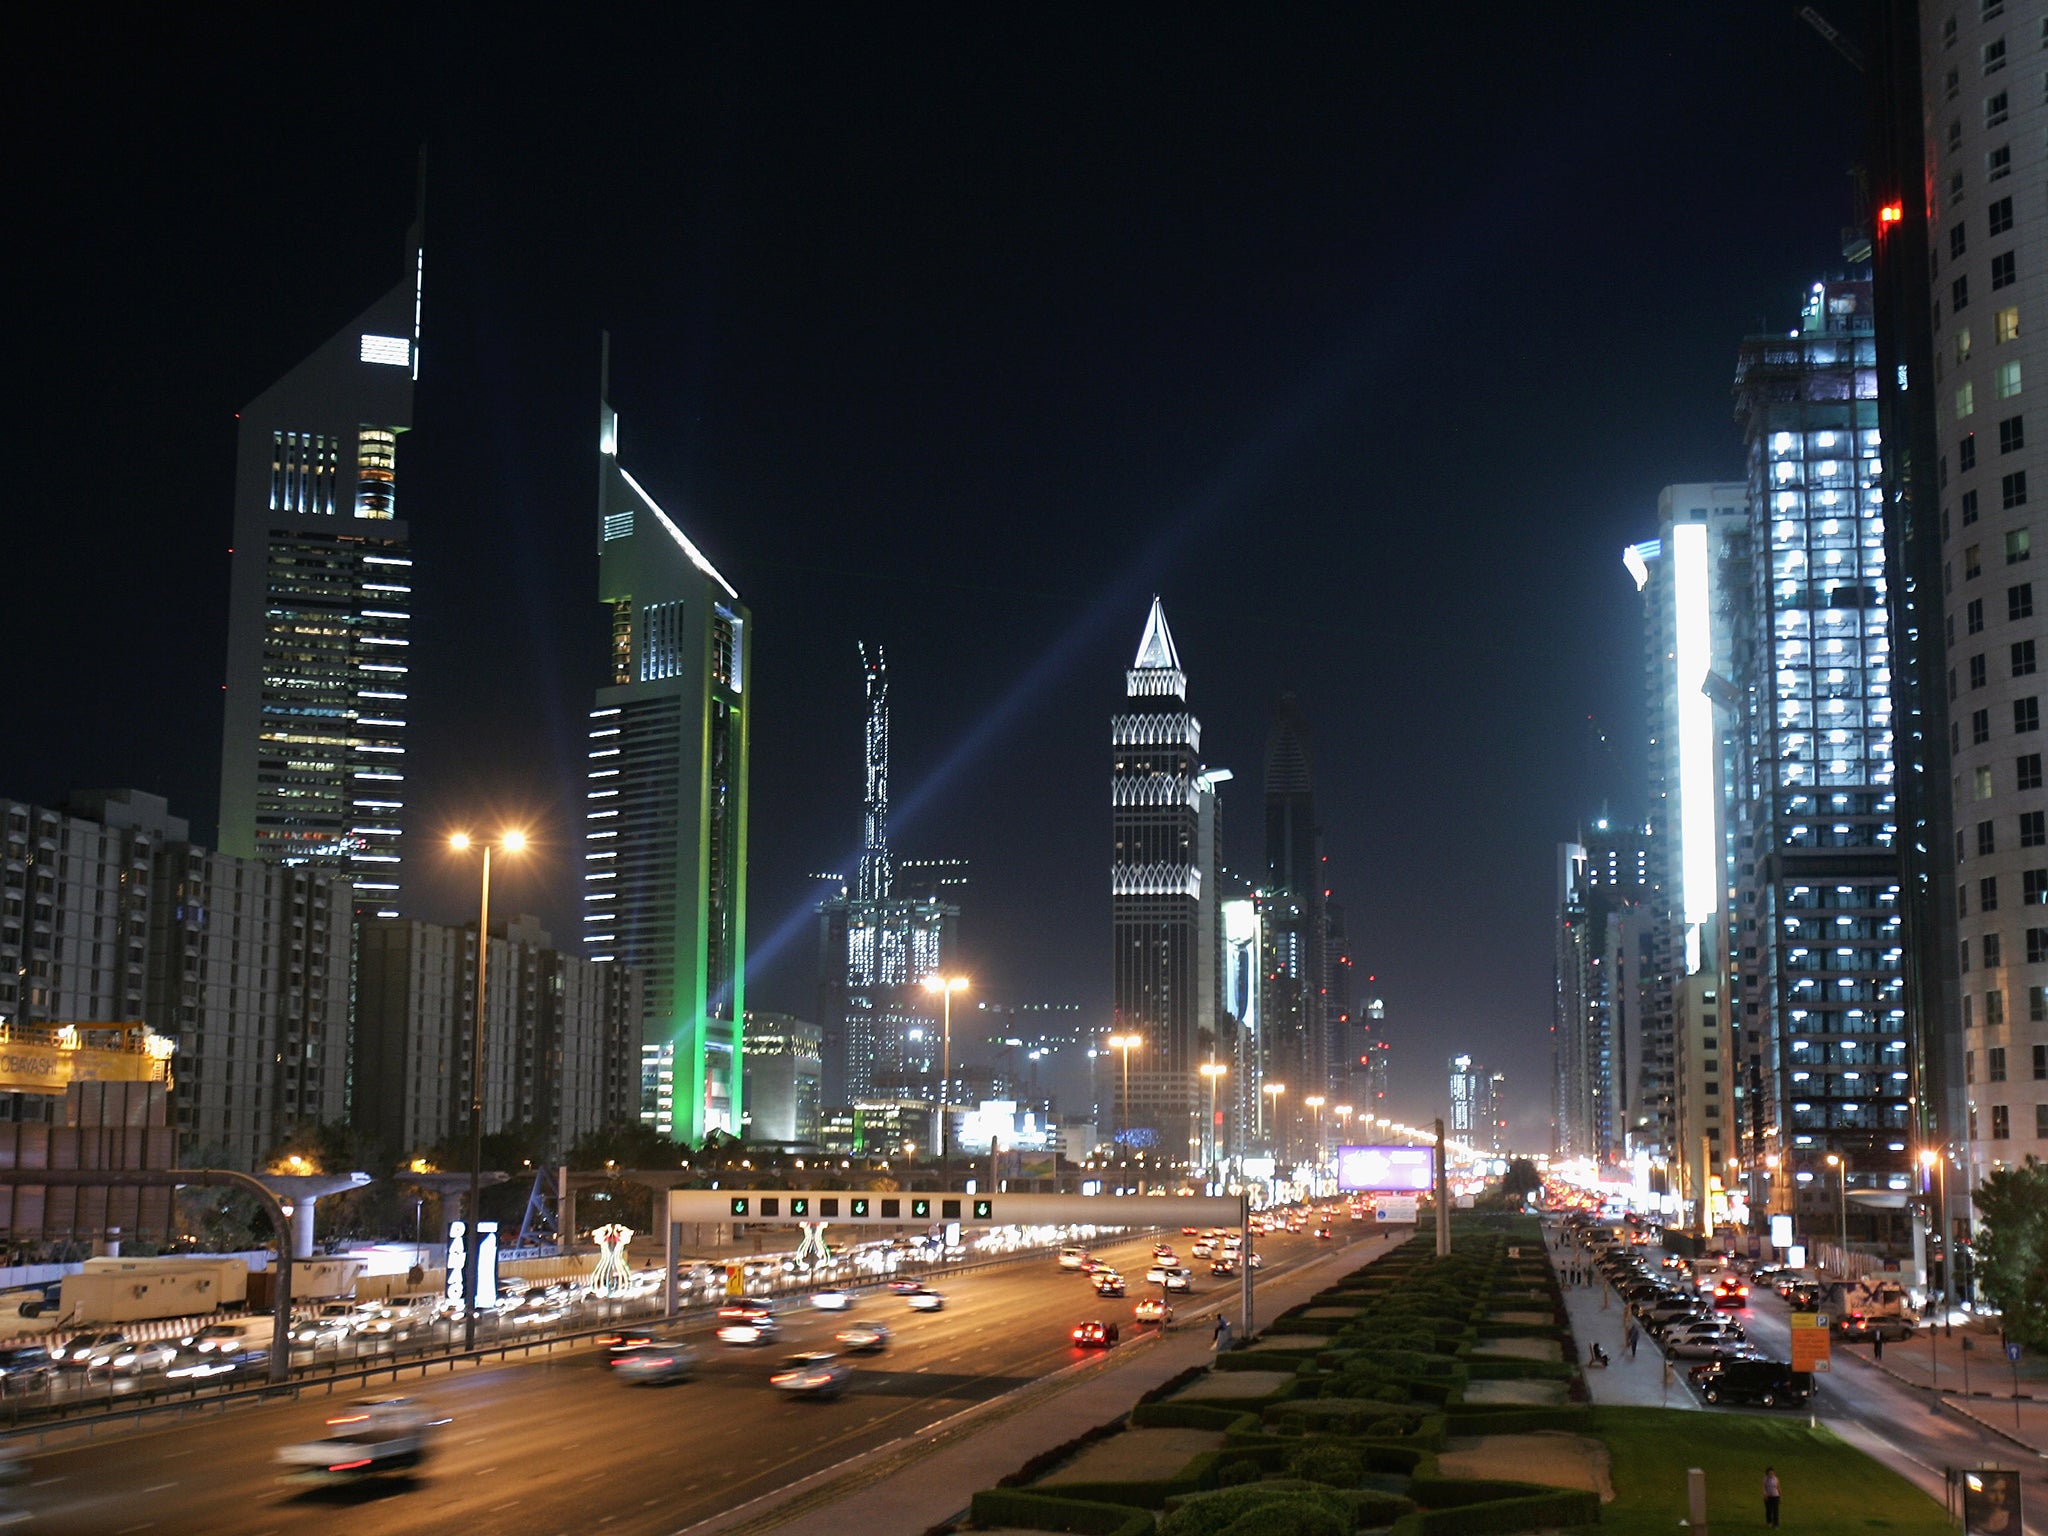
column 33, row 1418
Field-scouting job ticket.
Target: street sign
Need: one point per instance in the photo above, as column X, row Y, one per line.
column 2012, row 1353
column 1811, row 1341
column 998, row 1209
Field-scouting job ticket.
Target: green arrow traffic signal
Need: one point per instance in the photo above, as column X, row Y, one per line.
column 984, row 1209
column 739, row 1206
column 921, row 1210
column 860, row 1207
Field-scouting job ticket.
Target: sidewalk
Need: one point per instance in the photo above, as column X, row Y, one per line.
column 1637, row 1383
column 957, row 1457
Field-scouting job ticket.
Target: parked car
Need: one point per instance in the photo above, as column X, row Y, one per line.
column 1771, row 1383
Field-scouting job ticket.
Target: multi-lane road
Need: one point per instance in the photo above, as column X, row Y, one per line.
column 557, row 1445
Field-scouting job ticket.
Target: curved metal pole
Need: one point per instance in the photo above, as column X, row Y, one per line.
column 173, row 1178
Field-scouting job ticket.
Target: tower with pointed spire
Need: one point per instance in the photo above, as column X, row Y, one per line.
column 665, row 871
column 876, row 947
column 1165, row 907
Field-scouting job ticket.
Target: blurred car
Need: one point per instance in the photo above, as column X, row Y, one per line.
column 331, row 1323
column 226, row 1338
column 1730, row 1292
column 1153, row 1310
column 1223, row 1267
column 1109, row 1283
column 759, row 1330
column 1164, row 1254
column 1176, row 1277
column 1094, row 1335
column 1203, row 1250
column 863, row 1339
column 1862, row 1327
column 1187, row 1231
column 145, row 1355
column 624, row 1337
column 216, row 1366
column 812, row 1374
column 905, row 1287
column 926, row 1300
column 1073, row 1258
column 1769, row 1383
column 832, row 1301
column 25, row 1368
column 1707, row 1344
column 652, row 1364
column 378, row 1435
column 746, row 1312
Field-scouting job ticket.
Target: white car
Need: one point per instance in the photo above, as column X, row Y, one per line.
column 812, row 1375
column 377, row 1435
column 832, row 1300
column 1172, row 1276
column 926, row 1300
column 759, row 1330
column 332, row 1322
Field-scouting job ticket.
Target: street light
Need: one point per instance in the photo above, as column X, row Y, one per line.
column 1937, row 1163
column 1841, row 1166
column 945, row 986
column 1214, row 1071
column 509, row 842
column 1126, row 1044
column 1276, row 1089
column 1315, row 1101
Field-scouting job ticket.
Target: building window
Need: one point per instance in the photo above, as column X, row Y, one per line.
column 1963, row 351
column 1966, row 403
column 1994, row 1008
column 2018, row 545
column 2026, row 715
column 2019, row 601
column 1969, row 508
column 1999, row 215
column 1952, row 86
column 2029, row 768
column 1973, row 616
column 1994, row 1061
column 1994, row 56
column 2033, row 834
column 1987, row 840
column 1981, row 783
column 1969, row 1011
column 2012, row 434
column 1973, row 562
column 1994, row 109
column 2040, row 1058
column 1966, row 452
column 1959, row 293
column 1969, row 1066
column 2001, row 1123
column 2004, row 270
column 1998, row 166
column 1963, row 955
column 2040, row 1121
column 1955, row 187
column 1994, row 952
column 2008, row 324
column 2022, row 658
column 1980, row 727
column 2034, row 887
column 1958, row 235
column 2037, row 1010
column 2008, row 380
column 1977, row 670
column 1955, row 134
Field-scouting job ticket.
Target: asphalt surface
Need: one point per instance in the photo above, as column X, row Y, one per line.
column 548, row 1446
column 1924, row 1444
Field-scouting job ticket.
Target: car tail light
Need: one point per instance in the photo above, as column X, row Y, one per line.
column 349, row 1466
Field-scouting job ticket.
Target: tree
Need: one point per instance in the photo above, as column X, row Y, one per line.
column 624, row 1144
column 2012, row 1249
column 1521, row 1180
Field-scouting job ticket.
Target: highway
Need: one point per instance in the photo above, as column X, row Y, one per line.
column 547, row 1446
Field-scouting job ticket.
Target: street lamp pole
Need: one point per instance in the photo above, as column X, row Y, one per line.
column 945, row 986
column 1315, row 1102
column 513, row 842
column 1840, row 1164
column 1279, row 1133
column 1126, row 1044
column 1213, row 1071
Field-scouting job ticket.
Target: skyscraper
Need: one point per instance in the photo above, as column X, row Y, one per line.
column 1958, row 178
column 319, row 607
column 876, row 947
column 1164, row 900
column 1471, row 1101
column 666, row 857
column 1824, row 1029
column 1606, row 904
column 1295, row 967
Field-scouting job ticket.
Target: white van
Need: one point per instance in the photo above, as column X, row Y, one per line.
column 1073, row 1258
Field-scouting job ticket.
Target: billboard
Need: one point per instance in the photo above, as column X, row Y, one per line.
column 1370, row 1169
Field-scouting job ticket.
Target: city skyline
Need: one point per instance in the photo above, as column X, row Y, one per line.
column 1250, row 376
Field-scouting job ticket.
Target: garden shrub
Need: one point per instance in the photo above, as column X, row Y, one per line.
column 1261, row 1509
column 1323, row 1461
column 1042, row 1512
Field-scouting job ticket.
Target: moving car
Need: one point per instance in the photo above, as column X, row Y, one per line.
column 331, row 1323
column 747, row 1312
column 863, row 1339
column 653, row 1363
column 925, row 1300
column 1730, row 1292
column 832, row 1300
column 812, row 1374
column 1153, row 1310
column 213, row 1367
column 1771, row 1383
column 226, row 1338
column 743, row 1330
column 1073, row 1258
column 25, row 1368
column 1223, row 1267
column 377, row 1435
column 1095, row 1335
column 1109, row 1283
column 1322, row 1232
column 1707, row 1344
column 1164, row 1254
column 1177, row 1278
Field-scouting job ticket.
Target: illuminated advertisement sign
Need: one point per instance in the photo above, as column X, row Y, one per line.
column 1385, row 1168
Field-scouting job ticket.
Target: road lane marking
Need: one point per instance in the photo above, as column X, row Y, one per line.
column 159, row 1487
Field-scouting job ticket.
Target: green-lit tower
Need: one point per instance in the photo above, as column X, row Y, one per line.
column 665, row 862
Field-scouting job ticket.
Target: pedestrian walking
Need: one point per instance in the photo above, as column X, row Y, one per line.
column 1771, row 1497
column 1220, row 1340
column 1877, row 1347
column 1634, row 1333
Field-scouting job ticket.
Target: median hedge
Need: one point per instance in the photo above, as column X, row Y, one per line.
column 1548, row 1509
column 1043, row 1512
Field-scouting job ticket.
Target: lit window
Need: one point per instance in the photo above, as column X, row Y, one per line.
column 2018, row 545
column 2008, row 380
column 394, row 350
column 2008, row 324
column 1966, row 400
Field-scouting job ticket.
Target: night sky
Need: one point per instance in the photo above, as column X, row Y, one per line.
column 1366, row 337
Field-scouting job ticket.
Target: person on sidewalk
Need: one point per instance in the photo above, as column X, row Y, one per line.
column 1771, row 1497
column 1221, row 1340
column 1634, row 1333
column 1877, row 1347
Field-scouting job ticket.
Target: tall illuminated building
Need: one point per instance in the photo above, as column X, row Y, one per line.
column 1684, row 1086
column 1824, row 1031
column 877, row 944
column 1165, row 902
column 665, row 861
column 1297, row 1038
column 1607, row 905
column 318, row 677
